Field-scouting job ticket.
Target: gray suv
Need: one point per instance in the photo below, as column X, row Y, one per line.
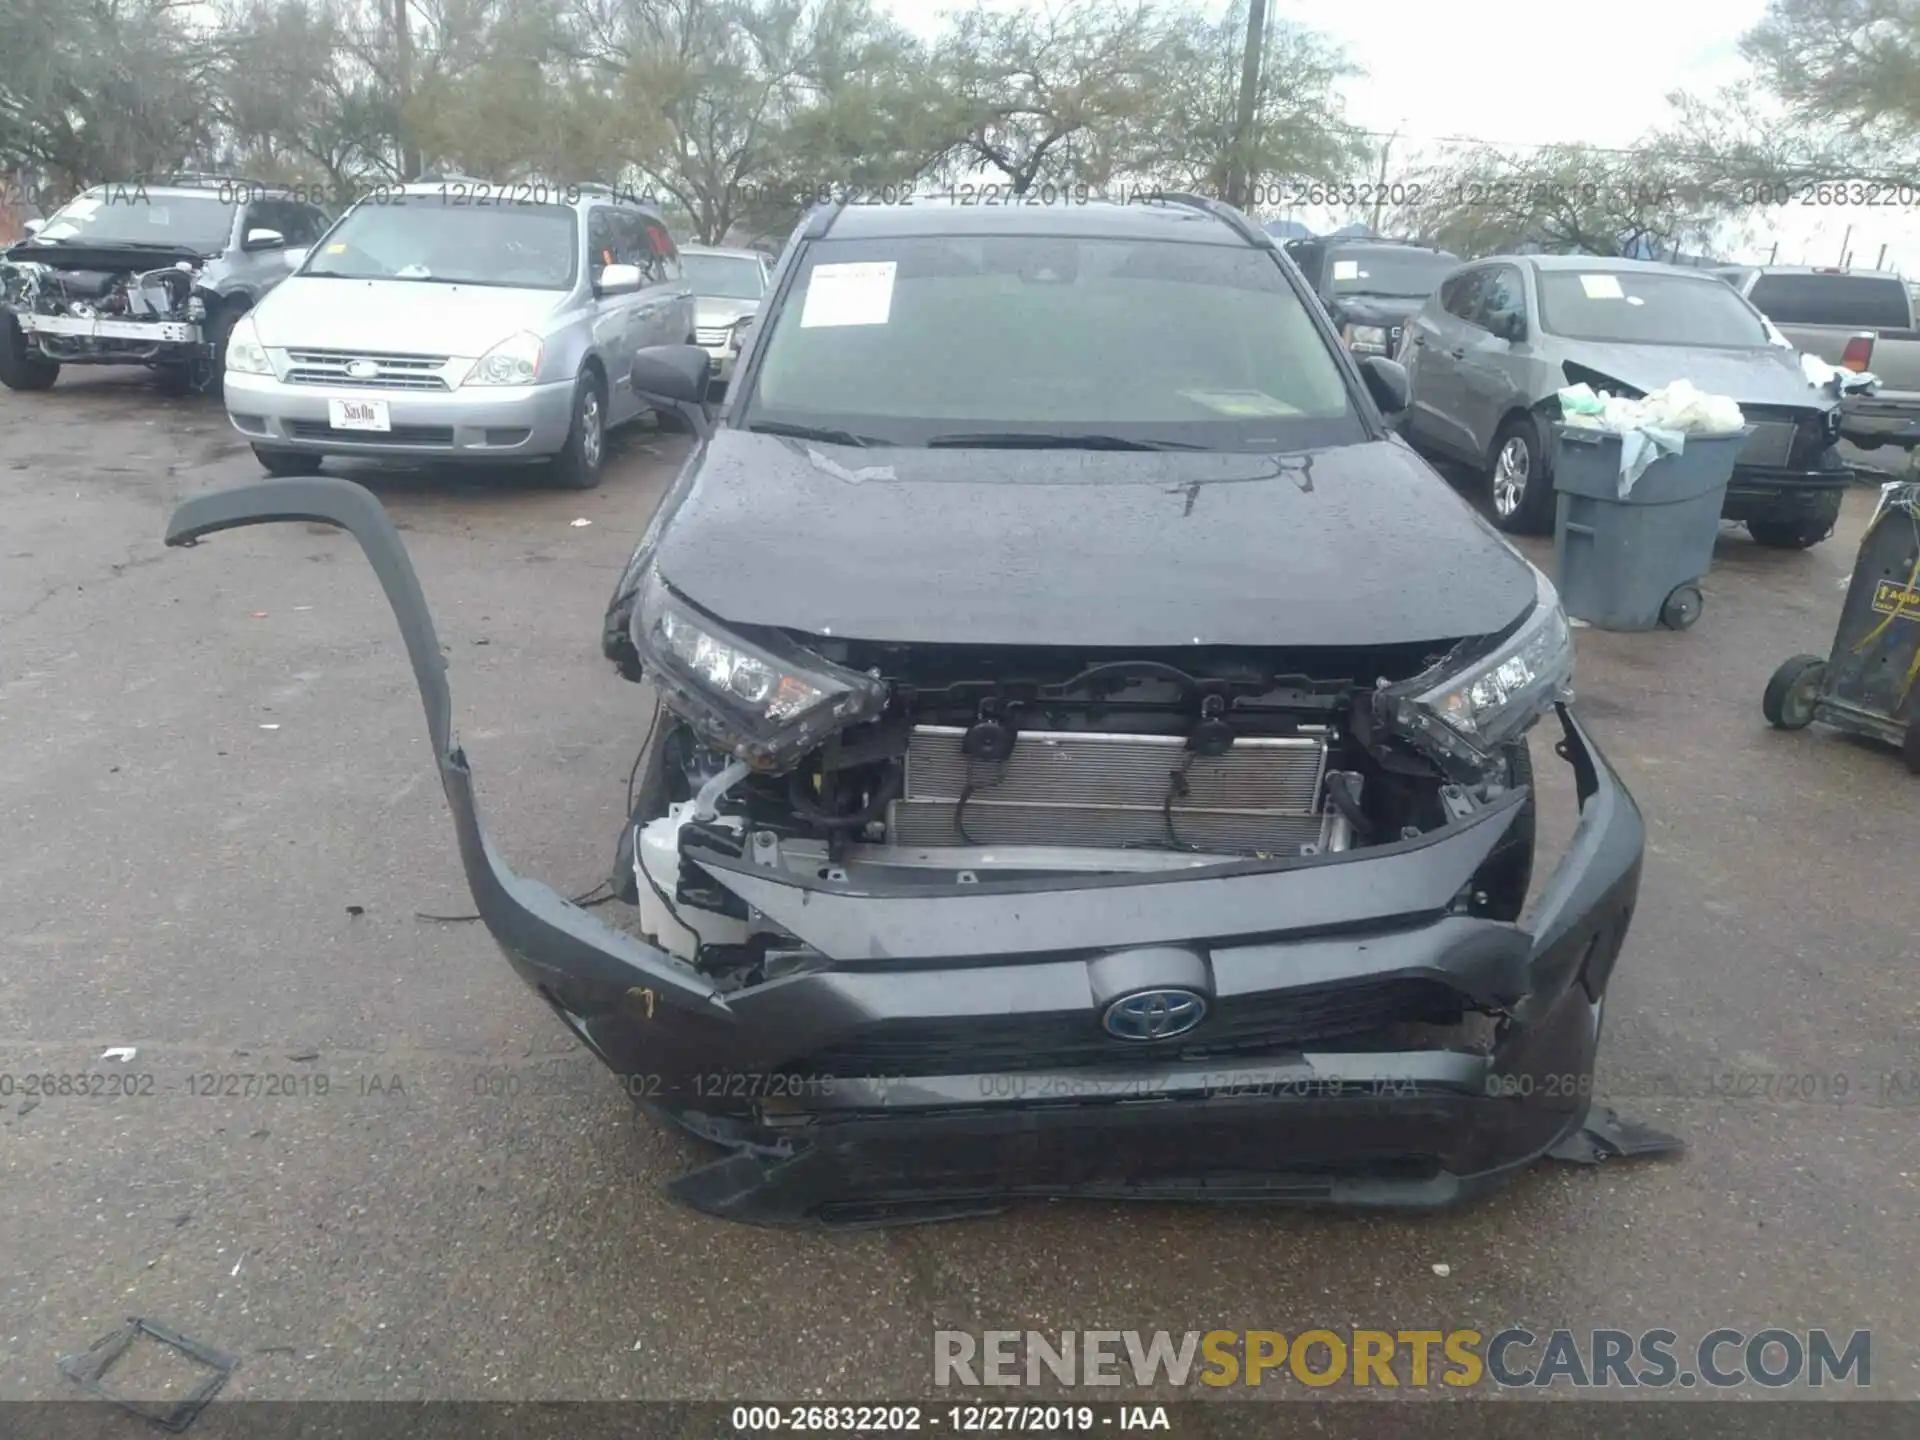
column 458, row 319
column 147, row 272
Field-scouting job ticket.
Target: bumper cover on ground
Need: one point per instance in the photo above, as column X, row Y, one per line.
column 1413, row 1126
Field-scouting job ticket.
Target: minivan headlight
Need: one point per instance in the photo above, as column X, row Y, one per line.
column 245, row 353
column 1497, row 696
column 766, row 701
column 514, row 361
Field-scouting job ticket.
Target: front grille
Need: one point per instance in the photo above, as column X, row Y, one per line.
column 395, row 372
column 398, row 435
column 1088, row 788
column 711, row 336
column 1279, row 1022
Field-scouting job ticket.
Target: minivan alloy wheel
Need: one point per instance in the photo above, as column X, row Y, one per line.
column 1510, row 474
column 592, row 432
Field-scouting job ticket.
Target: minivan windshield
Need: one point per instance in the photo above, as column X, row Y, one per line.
column 1383, row 270
column 133, row 215
column 1647, row 307
column 1012, row 339
column 724, row 277
column 514, row 245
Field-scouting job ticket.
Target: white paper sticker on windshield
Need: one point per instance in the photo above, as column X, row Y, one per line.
column 81, row 210
column 1602, row 287
column 859, row 293
column 1346, row 269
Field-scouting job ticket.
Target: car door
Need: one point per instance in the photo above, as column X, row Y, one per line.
column 257, row 269
column 1492, row 370
column 1435, row 348
column 676, row 292
column 617, row 328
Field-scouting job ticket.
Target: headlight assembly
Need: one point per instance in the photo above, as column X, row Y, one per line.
column 514, row 361
column 1494, row 697
column 765, row 701
column 245, row 354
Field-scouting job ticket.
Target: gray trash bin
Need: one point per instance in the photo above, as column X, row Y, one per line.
column 1635, row 564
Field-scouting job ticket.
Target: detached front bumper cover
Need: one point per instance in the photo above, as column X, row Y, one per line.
column 1419, row 1127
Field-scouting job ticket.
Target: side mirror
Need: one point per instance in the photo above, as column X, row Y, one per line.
column 618, row 280
column 676, row 378
column 263, row 239
column 1386, row 383
column 34, row 227
column 1513, row 327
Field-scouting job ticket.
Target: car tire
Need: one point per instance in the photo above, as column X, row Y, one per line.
column 205, row 377
column 20, row 368
column 1518, row 486
column 287, row 462
column 1792, row 691
column 1799, row 532
column 579, row 465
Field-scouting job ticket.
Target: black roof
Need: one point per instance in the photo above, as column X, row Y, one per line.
column 1172, row 219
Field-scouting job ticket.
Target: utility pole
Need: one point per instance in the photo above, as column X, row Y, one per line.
column 403, row 87
column 1881, row 263
column 1380, row 187
column 1239, row 173
column 1843, row 246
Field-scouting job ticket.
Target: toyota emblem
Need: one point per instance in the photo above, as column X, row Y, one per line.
column 362, row 369
column 1154, row 1014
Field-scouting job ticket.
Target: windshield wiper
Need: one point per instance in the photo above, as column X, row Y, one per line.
column 826, row 434
column 1041, row 440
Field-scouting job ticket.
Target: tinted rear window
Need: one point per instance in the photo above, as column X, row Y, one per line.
column 1869, row 302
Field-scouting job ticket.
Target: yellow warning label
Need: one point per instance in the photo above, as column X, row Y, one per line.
column 1893, row 598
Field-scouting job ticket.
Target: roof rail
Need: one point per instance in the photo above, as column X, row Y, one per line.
column 189, row 179
column 1219, row 210
column 820, row 219
column 440, row 177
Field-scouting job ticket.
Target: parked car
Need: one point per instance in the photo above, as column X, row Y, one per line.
column 1489, row 353
column 147, row 272
column 727, row 286
column 1860, row 320
column 455, row 320
column 1371, row 286
column 1065, row 692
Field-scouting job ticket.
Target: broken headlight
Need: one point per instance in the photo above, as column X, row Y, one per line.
column 766, row 700
column 1483, row 702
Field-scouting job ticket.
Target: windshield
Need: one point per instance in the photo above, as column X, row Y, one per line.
column 1647, row 307
column 1378, row 270
column 724, row 277
column 911, row 340
column 509, row 245
column 132, row 215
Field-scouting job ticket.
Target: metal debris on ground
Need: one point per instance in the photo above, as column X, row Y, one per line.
column 1608, row 1136
column 88, row 1369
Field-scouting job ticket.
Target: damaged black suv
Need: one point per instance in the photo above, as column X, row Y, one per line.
column 1086, row 749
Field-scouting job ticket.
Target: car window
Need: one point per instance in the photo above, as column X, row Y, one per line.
column 665, row 253
column 1389, row 271
column 1460, row 295
column 1870, row 302
column 269, row 215
column 304, row 224
column 628, row 243
column 726, row 277
column 908, row 338
column 1500, row 295
column 131, row 214
column 426, row 238
column 603, row 241
column 1647, row 307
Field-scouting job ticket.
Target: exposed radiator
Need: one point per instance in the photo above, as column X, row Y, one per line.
column 1086, row 788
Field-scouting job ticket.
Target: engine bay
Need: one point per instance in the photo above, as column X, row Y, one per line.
column 1008, row 765
column 93, row 287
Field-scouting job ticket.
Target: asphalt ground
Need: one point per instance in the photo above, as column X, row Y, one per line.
column 219, row 818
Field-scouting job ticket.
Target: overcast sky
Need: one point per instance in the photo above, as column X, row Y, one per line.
column 1534, row 72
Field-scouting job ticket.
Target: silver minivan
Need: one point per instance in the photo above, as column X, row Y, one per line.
column 456, row 319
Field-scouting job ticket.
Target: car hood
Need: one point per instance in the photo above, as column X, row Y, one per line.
column 1766, row 375
column 1358, row 545
column 81, row 255
column 398, row 316
column 711, row 312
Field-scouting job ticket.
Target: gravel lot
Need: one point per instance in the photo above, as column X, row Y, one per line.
column 221, row 820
